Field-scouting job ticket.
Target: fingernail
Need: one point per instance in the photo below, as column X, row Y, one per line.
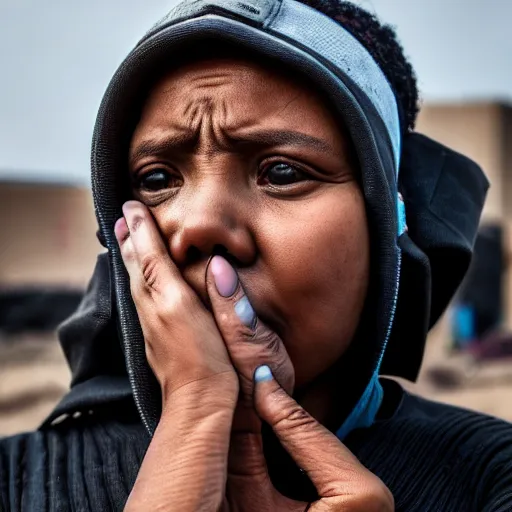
column 121, row 230
column 245, row 313
column 224, row 275
column 130, row 205
column 133, row 215
column 127, row 209
column 262, row 374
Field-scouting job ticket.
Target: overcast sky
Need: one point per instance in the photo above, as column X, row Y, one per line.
column 56, row 58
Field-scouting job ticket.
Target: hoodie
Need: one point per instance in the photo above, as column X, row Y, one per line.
column 443, row 191
column 422, row 240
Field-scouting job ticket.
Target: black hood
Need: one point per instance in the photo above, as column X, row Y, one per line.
column 414, row 273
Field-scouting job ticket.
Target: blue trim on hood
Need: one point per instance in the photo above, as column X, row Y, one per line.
column 364, row 413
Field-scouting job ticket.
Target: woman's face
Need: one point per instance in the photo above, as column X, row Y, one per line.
column 231, row 156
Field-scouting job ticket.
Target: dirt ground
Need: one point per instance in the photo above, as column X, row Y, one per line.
column 34, row 375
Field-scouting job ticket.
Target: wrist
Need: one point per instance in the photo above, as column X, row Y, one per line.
column 185, row 467
column 201, row 397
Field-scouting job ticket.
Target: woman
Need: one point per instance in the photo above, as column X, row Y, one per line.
column 260, row 277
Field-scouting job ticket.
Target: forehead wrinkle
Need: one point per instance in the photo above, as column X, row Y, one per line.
column 207, row 117
column 211, row 80
column 200, row 127
column 212, row 136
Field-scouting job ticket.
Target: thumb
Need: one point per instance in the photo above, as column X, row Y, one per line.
column 336, row 473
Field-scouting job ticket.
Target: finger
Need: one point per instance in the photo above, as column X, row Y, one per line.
column 144, row 253
column 128, row 254
column 121, row 231
column 249, row 340
column 250, row 343
column 333, row 469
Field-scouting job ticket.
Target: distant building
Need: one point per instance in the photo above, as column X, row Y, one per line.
column 48, row 249
column 48, row 235
column 483, row 132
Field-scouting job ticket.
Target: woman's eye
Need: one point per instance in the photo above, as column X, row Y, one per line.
column 284, row 174
column 155, row 180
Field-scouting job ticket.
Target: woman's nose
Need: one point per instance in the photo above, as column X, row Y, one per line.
column 209, row 226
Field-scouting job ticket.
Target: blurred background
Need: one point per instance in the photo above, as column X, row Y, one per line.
column 56, row 60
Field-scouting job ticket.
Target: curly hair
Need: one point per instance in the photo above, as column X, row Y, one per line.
column 382, row 43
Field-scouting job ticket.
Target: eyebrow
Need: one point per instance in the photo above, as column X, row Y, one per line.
column 150, row 147
column 185, row 143
column 282, row 137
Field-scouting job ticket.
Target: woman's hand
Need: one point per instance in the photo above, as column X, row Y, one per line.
column 258, row 354
column 185, row 467
column 341, row 481
column 183, row 345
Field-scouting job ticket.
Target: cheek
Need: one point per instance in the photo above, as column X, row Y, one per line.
column 318, row 258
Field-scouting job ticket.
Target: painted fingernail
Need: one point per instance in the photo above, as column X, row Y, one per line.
column 130, row 205
column 121, row 230
column 245, row 313
column 224, row 276
column 133, row 215
column 262, row 374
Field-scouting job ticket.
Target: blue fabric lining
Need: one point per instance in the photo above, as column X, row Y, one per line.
column 363, row 414
column 402, row 225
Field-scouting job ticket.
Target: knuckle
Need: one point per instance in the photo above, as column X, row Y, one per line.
column 237, row 331
column 136, row 222
column 269, row 340
column 293, row 417
column 177, row 300
column 298, row 416
column 149, row 266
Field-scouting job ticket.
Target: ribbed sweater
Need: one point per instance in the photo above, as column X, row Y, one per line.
column 433, row 457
